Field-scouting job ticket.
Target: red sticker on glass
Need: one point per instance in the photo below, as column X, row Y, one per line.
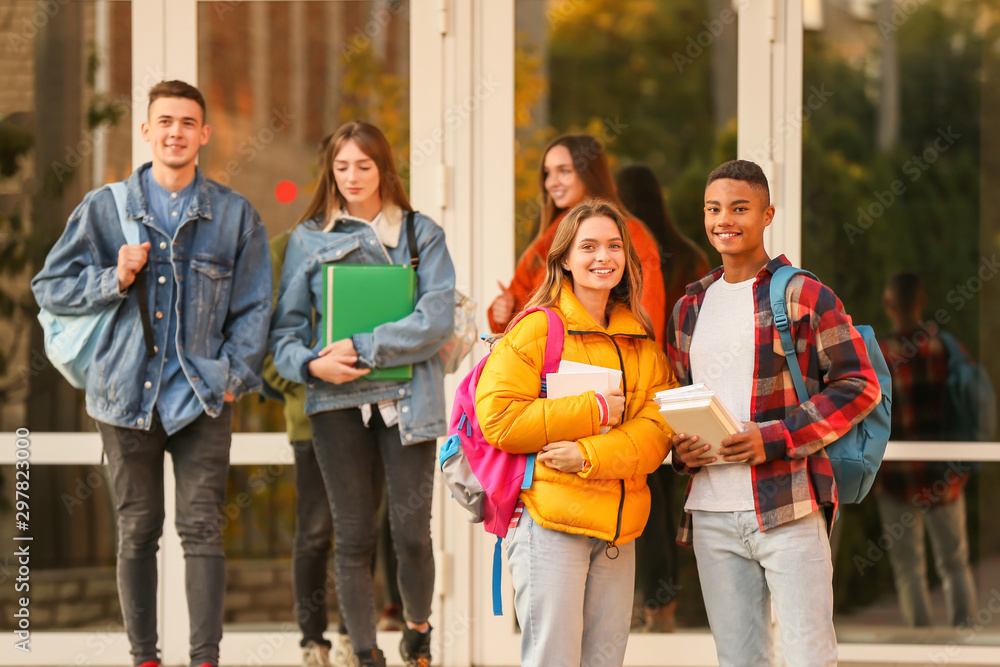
column 286, row 192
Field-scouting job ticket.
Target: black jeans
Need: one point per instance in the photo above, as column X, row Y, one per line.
column 656, row 548
column 200, row 454
column 354, row 460
column 311, row 549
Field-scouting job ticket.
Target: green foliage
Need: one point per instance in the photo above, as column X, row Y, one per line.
column 612, row 73
column 15, row 142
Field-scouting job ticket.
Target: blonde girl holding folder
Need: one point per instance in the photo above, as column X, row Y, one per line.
column 370, row 433
column 571, row 554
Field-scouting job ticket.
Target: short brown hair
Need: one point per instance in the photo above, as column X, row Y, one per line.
column 742, row 170
column 177, row 89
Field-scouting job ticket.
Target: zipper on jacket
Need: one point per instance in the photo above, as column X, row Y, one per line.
column 621, row 500
column 618, row 525
column 621, row 361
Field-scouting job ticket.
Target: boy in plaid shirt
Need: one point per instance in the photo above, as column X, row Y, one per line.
column 760, row 522
column 923, row 496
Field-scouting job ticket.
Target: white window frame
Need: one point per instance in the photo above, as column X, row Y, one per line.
column 462, row 122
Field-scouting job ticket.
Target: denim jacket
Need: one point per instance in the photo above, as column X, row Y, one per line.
column 222, row 266
column 415, row 339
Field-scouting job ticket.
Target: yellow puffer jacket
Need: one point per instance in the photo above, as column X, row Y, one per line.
column 609, row 498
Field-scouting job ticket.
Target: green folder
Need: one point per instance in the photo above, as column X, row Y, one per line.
column 359, row 297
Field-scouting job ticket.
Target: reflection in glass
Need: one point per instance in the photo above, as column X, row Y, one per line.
column 71, row 581
column 654, row 83
column 279, row 77
column 63, row 131
column 896, row 153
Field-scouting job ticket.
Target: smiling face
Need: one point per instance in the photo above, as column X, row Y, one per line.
column 736, row 215
column 357, row 177
column 562, row 181
column 175, row 131
column 596, row 258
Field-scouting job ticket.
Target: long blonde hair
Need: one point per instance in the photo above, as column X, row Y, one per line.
column 628, row 292
column 328, row 199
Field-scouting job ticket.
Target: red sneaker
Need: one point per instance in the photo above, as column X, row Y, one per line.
column 150, row 663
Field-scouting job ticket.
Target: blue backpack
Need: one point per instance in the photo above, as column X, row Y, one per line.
column 972, row 413
column 71, row 340
column 857, row 455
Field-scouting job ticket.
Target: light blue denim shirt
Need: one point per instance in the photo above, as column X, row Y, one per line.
column 220, row 261
column 415, row 339
column 177, row 404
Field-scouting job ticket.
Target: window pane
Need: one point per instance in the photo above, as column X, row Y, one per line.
column 64, row 130
column 278, row 77
column 898, row 218
column 921, row 569
column 71, row 580
column 654, row 83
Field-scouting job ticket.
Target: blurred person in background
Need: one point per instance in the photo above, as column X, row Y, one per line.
column 575, row 167
column 681, row 262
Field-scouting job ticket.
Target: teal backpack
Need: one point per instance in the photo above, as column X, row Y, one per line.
column 857, row 455
column 971, row 414
column 71, row 340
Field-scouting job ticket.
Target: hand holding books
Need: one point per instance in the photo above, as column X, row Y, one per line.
column 701, row 422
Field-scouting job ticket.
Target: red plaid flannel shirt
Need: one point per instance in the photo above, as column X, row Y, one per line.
column 796, row 479
column 918, row 363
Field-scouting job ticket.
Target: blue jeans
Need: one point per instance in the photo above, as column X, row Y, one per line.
column 573, row 602
column 311, row 548
column 200, row 453
column 741, row 569
column 354, row 461
column 945, row 524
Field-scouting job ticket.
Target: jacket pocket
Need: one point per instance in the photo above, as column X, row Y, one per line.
column 212, row 281
column 338, row 252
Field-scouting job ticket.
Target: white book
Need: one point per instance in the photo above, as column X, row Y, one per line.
column 574, row 378
column 614, row 374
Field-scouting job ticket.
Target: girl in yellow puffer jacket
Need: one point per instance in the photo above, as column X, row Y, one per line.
column 571, row 555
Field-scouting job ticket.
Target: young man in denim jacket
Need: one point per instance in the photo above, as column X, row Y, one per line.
column 205, row 252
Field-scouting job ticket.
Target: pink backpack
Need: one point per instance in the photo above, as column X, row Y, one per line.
column 483, row 479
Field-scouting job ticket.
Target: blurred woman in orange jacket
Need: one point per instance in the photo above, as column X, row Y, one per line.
column 575, row 168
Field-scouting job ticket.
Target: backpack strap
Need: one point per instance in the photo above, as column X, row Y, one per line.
column 956, row 357
column 497, row 562
column 130, row 228
column 411, row 239
column 779, row 286
column 554, row 339
column 553, row 342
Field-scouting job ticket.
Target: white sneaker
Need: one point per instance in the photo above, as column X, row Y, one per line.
column 315, row 655
column 343, row 653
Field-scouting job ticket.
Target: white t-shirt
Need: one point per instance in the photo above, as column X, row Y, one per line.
column 722, row 356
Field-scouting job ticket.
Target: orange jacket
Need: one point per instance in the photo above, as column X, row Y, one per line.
column 530, row 273
column 609, row 499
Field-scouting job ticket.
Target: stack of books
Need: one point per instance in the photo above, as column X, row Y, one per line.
column 696, row 410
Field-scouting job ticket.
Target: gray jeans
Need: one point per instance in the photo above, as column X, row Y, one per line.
column 352, row 458
column 200, row 453
column 311, row 548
